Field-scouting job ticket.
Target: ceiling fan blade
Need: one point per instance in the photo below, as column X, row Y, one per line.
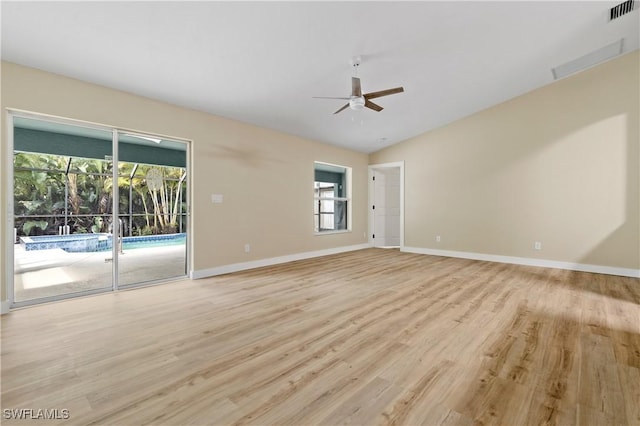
column 342, row 109
column 372, row 106
column 329, row 97
column 356, row 90
column 382, row 93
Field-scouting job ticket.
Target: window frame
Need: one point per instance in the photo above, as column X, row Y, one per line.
column 317, row 199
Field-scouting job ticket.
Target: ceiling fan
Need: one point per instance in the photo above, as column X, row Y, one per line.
column 357, row 100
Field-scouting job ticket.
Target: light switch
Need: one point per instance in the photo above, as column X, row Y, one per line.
column 217, row 198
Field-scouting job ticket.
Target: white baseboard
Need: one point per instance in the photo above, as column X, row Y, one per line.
column 608, row 270
column 237, row 267
column 4, row 307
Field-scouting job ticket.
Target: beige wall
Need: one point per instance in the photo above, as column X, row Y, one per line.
column 266, row 177
column 557, row 165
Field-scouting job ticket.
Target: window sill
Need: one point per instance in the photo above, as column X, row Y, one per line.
column 342, row 231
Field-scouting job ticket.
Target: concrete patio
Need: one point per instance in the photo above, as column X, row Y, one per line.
column 54, row 272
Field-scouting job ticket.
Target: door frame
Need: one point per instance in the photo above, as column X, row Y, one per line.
column 371, row 198
column 8, row 224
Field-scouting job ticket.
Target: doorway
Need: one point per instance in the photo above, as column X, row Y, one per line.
column 94, row 209
column 386, row 210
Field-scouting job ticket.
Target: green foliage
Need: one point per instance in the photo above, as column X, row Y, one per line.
column 39, row 190
column 29, row 225
column 148, row 230
column 98, row 225
column 32, row 206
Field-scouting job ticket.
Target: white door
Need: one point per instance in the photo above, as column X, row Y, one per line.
column 386, row 207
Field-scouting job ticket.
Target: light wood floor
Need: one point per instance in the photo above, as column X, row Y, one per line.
column 368, row 337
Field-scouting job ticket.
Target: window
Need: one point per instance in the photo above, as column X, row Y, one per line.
column 332, row 188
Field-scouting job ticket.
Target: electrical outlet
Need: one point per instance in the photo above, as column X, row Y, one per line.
column 437, row 238
column 247, row 248
column 537, row 245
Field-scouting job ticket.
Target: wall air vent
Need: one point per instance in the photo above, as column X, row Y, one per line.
column 621, row 9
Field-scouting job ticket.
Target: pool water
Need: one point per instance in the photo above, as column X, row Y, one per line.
column 128, row 244
column 83, row 243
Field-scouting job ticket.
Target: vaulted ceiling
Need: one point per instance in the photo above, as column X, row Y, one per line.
column 262, row 62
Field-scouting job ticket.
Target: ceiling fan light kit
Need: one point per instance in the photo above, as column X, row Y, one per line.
column 357, row 102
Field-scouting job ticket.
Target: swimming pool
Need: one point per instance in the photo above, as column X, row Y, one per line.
column 82, row 243
column 147, row 241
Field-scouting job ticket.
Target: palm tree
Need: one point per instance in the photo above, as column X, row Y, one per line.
column 167, row 199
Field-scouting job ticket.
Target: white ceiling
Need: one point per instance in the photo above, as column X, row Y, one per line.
column 261, row 62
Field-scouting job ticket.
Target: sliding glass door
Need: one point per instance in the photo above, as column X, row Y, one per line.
column 152, row 209
column 94, row 209
column 62, row 180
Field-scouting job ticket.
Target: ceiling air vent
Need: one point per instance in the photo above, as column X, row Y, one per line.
column 602, row 54
column 621, row 9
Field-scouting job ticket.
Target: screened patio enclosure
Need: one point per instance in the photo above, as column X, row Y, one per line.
column 109, row 206
column 60, row 195
column 63, row 180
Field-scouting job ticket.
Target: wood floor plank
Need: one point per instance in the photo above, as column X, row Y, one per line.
column 630, row 385
column 367, row 337
column 600, row 385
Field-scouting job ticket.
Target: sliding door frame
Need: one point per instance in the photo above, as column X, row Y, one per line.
column 10, row 206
